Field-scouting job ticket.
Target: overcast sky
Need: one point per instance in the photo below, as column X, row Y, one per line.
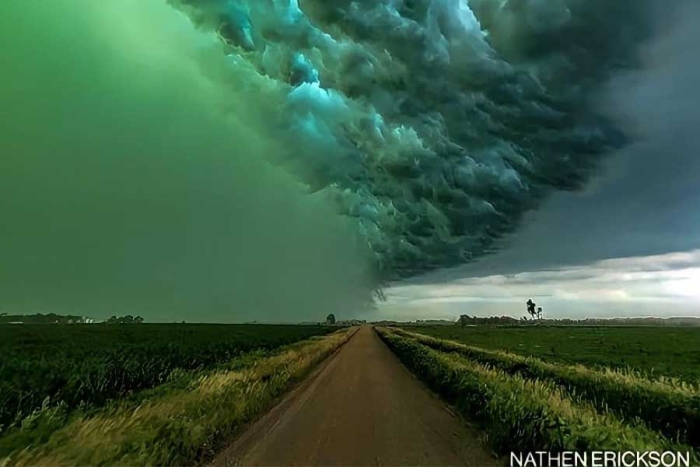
column 627, row 245
column 127, row 186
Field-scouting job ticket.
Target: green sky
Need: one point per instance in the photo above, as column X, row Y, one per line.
column 131, row 180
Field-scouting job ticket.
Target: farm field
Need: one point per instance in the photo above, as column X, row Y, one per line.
column 528, row 403
column 52, row 375
column 655, row 351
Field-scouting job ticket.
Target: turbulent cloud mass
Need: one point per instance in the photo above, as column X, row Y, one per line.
column 435, row 123
column 646, row 201
column 627, row 244
column 197, row 155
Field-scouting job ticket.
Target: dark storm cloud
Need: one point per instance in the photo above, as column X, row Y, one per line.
column 647, row 200
column 438, row 124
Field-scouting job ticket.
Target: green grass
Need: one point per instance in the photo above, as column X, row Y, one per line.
column 655, row 351
column 522, row 413
column 70, row 367
column 669, row 406
column 182, row 422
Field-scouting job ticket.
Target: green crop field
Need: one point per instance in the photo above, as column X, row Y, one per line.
column 527, row 403
column 86, row 366
column 657, row 351
column 144, row 394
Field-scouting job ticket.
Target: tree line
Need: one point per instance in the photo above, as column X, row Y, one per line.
column 128, row 319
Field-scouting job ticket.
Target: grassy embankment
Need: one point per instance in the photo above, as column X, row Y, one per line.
column 521, row 407
column 181, row 422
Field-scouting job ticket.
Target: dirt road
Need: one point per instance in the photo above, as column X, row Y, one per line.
column 362, row 407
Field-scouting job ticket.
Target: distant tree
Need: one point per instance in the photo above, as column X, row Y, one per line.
column 330, row 319
column 128, row 319
column 465, row 320
column 531, row 308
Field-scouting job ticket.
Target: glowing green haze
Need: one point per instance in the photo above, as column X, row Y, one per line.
column 133, row 177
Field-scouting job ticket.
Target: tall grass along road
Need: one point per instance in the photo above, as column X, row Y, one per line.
column 526, row 404
column 184, row 421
